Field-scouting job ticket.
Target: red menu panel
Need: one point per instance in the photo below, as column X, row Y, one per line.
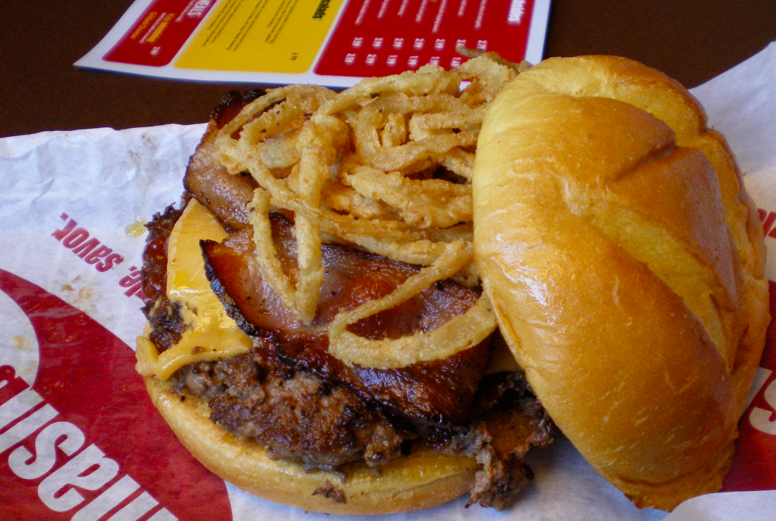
column 158, row 35
column 382, row 37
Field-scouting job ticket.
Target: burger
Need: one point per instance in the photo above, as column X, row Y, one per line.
column 381, row 299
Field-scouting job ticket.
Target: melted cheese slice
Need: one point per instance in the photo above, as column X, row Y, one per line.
column 211, row 334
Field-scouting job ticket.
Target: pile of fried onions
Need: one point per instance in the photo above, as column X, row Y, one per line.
column 363, row 167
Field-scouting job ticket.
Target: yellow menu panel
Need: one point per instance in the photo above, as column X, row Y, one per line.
column 280, row 36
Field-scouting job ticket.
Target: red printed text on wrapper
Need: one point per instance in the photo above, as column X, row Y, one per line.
column 83, row 441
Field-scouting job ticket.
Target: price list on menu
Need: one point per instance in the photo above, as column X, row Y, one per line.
column 380, row 37
column 329, row 42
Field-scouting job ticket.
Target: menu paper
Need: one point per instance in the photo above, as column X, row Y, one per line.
column 79, row 438
column 326, row 42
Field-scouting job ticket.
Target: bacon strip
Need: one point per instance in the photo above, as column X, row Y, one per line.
column 438, row 392
column 225, row 195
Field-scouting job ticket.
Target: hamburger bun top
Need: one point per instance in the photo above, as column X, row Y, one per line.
column 625, row 263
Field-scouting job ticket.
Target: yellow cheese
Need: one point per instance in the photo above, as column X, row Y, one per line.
column 211, row 334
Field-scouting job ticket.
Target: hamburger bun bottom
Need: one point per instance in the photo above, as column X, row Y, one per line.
column 420, row 480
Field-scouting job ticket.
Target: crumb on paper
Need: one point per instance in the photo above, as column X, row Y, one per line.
column 80, row 293
column 21, row 343
column 329, row 491
column 137, row 228
column 84, row 297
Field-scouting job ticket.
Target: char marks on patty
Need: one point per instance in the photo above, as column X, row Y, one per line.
column 296, row 415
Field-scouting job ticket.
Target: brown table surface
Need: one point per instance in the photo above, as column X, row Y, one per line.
column 691, row 40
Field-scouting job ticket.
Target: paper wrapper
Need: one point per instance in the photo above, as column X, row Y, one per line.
column 80, row 440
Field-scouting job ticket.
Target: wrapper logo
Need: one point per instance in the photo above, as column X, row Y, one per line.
column 754, row 463
column 79, row 439
column 769, row 220
column 88, row 470
column 761, row 418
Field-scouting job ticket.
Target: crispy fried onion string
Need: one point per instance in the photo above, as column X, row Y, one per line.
column 434, row 134
column 429, row 79
column 423, row 202
column 385, row 166
column 266, row 254
column 459, row 333
column 320, row 143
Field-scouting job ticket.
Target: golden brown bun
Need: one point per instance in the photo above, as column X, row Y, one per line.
column 625, row 264
column 421, row 480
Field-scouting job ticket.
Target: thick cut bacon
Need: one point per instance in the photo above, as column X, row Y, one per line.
column 225, row 195
column 438, row 392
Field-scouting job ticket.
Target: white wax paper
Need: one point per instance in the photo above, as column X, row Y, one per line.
column 108, row 180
